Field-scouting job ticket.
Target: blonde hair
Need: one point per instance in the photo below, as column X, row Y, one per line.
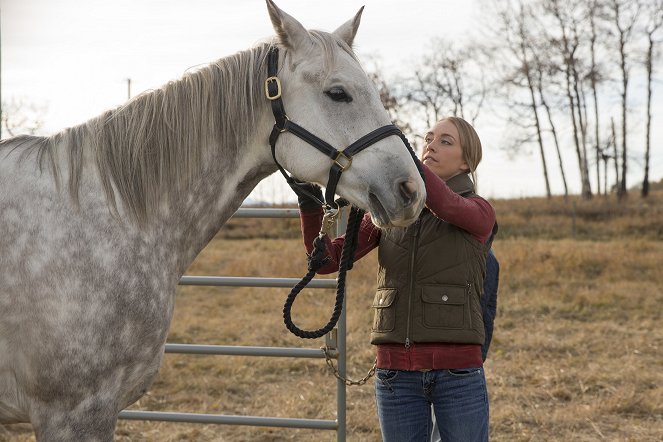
column 470, row 144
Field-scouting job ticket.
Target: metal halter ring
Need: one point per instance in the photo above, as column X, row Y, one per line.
column 285, row 119
column 347, row 159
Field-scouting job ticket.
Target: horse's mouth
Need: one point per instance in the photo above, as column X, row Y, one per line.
column 379, row 214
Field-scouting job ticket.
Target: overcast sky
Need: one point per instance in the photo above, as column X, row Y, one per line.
column 74, row 57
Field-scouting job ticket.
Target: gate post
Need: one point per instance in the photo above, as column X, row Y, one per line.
column 341, row 392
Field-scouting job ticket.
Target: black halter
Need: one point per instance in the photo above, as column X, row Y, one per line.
column 341, row 161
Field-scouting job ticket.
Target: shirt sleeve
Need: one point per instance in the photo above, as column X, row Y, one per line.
column 311, row 221
column 474, row 215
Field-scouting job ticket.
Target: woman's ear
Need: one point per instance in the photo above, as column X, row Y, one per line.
column 464, row 167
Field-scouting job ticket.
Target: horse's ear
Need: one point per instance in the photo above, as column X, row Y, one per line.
column 289, row 31
column 348, row 30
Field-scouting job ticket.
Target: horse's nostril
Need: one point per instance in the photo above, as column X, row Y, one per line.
column 408, row 191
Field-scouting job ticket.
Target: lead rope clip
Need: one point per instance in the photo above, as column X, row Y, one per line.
column 329, row 220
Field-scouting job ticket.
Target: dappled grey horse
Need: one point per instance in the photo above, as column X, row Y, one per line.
column 98, row 222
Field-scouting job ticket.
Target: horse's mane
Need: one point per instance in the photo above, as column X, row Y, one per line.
column 155, row 144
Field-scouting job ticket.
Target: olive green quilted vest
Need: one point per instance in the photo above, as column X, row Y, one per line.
column 430, row 280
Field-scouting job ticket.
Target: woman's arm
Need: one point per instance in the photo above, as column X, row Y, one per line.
column 474, row 215
column 311, row 220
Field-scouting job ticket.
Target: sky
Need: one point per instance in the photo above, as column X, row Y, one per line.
column 73, row 59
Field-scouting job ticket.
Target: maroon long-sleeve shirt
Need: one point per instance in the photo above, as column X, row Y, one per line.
column 474, row 215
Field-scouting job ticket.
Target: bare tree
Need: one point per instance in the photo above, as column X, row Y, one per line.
column 555, row 68
column 523, row 50
column 447, row 80
column 21, row 117
column 594, row 79
column 389, row 99
column 544, row 102
column 576, row 67
column 567, row 42
column 530, row 59
column 654, row 24
column 615, row 155
column 624, row 14
column 390, row 96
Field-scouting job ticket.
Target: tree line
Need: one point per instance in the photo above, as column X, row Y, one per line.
column 553, row 69
column 559, row 73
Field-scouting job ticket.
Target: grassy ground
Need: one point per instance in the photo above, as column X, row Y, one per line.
column 576, row 356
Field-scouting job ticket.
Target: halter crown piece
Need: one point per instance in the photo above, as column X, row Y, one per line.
column 340, row 162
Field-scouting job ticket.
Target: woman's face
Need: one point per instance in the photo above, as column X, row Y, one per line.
column 442, row 151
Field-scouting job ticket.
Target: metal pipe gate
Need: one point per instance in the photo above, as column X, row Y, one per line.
column 337, row 340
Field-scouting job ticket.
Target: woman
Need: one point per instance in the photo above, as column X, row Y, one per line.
column 428, row 326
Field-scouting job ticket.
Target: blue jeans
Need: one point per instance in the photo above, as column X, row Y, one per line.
column 459, row 399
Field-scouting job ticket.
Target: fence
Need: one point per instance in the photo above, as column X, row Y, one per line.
column 334, row 340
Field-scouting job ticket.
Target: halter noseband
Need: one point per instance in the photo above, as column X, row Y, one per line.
column 341, row 160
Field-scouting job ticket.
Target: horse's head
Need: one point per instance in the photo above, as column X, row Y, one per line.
column 325, row 91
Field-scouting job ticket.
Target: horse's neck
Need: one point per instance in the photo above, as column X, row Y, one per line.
column 195, row 217
column 183, row 158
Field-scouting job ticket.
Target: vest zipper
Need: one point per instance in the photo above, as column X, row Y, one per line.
column 413, row 252
column 469, row 295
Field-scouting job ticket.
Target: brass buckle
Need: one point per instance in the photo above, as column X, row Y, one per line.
column 347, row 159
column 278, row 88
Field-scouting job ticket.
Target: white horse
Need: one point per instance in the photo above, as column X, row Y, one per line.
column 98, row 222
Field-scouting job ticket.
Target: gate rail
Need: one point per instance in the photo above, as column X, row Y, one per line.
column 335, row 340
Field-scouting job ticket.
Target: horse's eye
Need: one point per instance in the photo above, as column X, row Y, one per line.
column 338, row 94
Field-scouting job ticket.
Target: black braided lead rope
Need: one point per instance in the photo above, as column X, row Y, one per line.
column 316, row 261
column 416, row 160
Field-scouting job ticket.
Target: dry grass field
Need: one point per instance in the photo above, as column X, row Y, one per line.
column 577, row 353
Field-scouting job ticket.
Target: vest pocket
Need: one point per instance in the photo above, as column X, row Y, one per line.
column 444, row 306
column 384, row 319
